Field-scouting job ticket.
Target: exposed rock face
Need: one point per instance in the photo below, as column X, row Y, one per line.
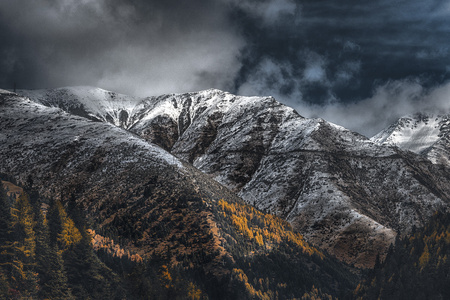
column 162, row 131
column 345, row 193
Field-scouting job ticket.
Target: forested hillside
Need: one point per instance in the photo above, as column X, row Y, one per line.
column 112, row 216
column 48, row 256
column 49, row 251
column 418, row 267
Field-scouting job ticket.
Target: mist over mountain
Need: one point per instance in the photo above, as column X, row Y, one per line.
column 361, row 66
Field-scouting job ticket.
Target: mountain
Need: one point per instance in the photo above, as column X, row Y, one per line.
column 187, row 227
column 422, row 133
column 346, row 194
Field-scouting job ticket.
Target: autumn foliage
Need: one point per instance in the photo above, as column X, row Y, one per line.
column 189, row 248
column 47, row 256
column 265, row 230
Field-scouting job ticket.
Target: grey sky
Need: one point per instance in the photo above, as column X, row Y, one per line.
column 356, row 63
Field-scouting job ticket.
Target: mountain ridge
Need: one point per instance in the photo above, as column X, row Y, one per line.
column 157, row 206
column 345, row 193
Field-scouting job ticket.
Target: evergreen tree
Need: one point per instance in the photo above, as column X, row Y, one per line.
column 54, row 222
column 89, row 278
column 56, row 284
column 5, row 215
column 49, row 264
column 5, row 223
column 22, row 248
column 4, row 286
column 416, row 268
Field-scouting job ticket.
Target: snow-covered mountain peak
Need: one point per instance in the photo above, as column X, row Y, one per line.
column 126, row 111
column 93, row 103
column 42, row 121
column 5, row 92
column 417, row 133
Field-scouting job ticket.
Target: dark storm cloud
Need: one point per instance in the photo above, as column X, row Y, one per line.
column 360, row 43
column 388, row 102
column 324, row 57
column 357, row 63
column 143, row 47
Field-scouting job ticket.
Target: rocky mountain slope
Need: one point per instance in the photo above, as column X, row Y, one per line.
column 423, row 133
column 345, row 193
column 157, row 207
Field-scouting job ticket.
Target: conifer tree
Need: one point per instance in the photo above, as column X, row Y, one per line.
column 415, row 268
column 54, row 222
column 49, row 264
column 22, row 249
column 56, row 286
column 5, row 214
column 4, row 286
column 87, row 275
column 5, row 223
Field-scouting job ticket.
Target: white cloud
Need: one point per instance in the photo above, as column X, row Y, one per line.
column 388, row 103
column 272, row 78
column 143, row 49
column 351, row 46
column 315, row 71
column 347, row 71
column 181, row 66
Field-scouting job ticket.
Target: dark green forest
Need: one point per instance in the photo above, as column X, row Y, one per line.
column 46, row 252
column 417, row 267
column 48, row 256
